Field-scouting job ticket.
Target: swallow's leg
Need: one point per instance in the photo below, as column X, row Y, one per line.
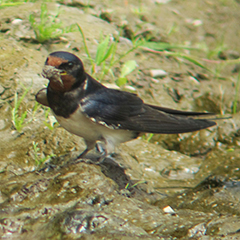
column 83, row 154
column 101, row 158
column 100, row 147
column 90, row 146
column 106, row 150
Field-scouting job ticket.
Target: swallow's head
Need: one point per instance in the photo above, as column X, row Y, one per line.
column 64, row 70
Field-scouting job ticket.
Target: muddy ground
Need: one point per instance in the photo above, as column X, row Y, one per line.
column 182, row 186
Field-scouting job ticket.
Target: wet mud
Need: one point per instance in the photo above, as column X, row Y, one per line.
column 182, row 186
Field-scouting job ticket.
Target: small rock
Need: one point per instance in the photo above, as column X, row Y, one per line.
column 17, row 21
column 197, row 231
column 169, row 210
column 197, row 22
column 158, row 73
column 162, row 1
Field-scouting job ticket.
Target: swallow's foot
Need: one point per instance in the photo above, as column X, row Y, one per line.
column 100, row 147
column 92, row 159
column 100, row 159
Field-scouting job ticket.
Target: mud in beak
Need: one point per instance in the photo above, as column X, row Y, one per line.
column 53, row 74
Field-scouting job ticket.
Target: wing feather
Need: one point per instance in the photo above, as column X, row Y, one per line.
column 123, row 110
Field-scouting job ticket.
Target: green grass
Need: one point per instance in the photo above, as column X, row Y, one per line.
column 148, row 136
column 48, row 26
column 38, row 159
column 18, row 117
column 173, row 51
column 214, row 67
column 11, row 3
column 235, row 102
column 126, row 69
column 106, row 58
column 50, row 121
column 134, row 185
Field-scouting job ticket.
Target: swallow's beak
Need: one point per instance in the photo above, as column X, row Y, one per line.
column 53, row 74
column 62, row 73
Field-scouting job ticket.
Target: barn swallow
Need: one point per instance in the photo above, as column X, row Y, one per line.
column 85, row 107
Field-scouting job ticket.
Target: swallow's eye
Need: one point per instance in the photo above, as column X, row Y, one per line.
column 66, row 66
column 70, row 64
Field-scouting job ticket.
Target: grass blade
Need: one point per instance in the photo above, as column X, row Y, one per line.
column 235, row 102
column 161, row 46
column 101, row 51
column 128, row 67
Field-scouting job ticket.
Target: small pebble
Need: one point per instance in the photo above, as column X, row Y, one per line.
column 130, row 88
column 158, row 73
column 168, row 209
column 155, row 80
column 197, row 22
column 17, row 21
column 162, row 1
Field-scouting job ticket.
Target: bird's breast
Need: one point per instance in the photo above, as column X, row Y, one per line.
column 79, row 124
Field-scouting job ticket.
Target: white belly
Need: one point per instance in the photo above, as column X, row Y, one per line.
column 79, row 125
column 82, row 126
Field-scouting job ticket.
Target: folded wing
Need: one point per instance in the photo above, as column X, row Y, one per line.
column 123, row 110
